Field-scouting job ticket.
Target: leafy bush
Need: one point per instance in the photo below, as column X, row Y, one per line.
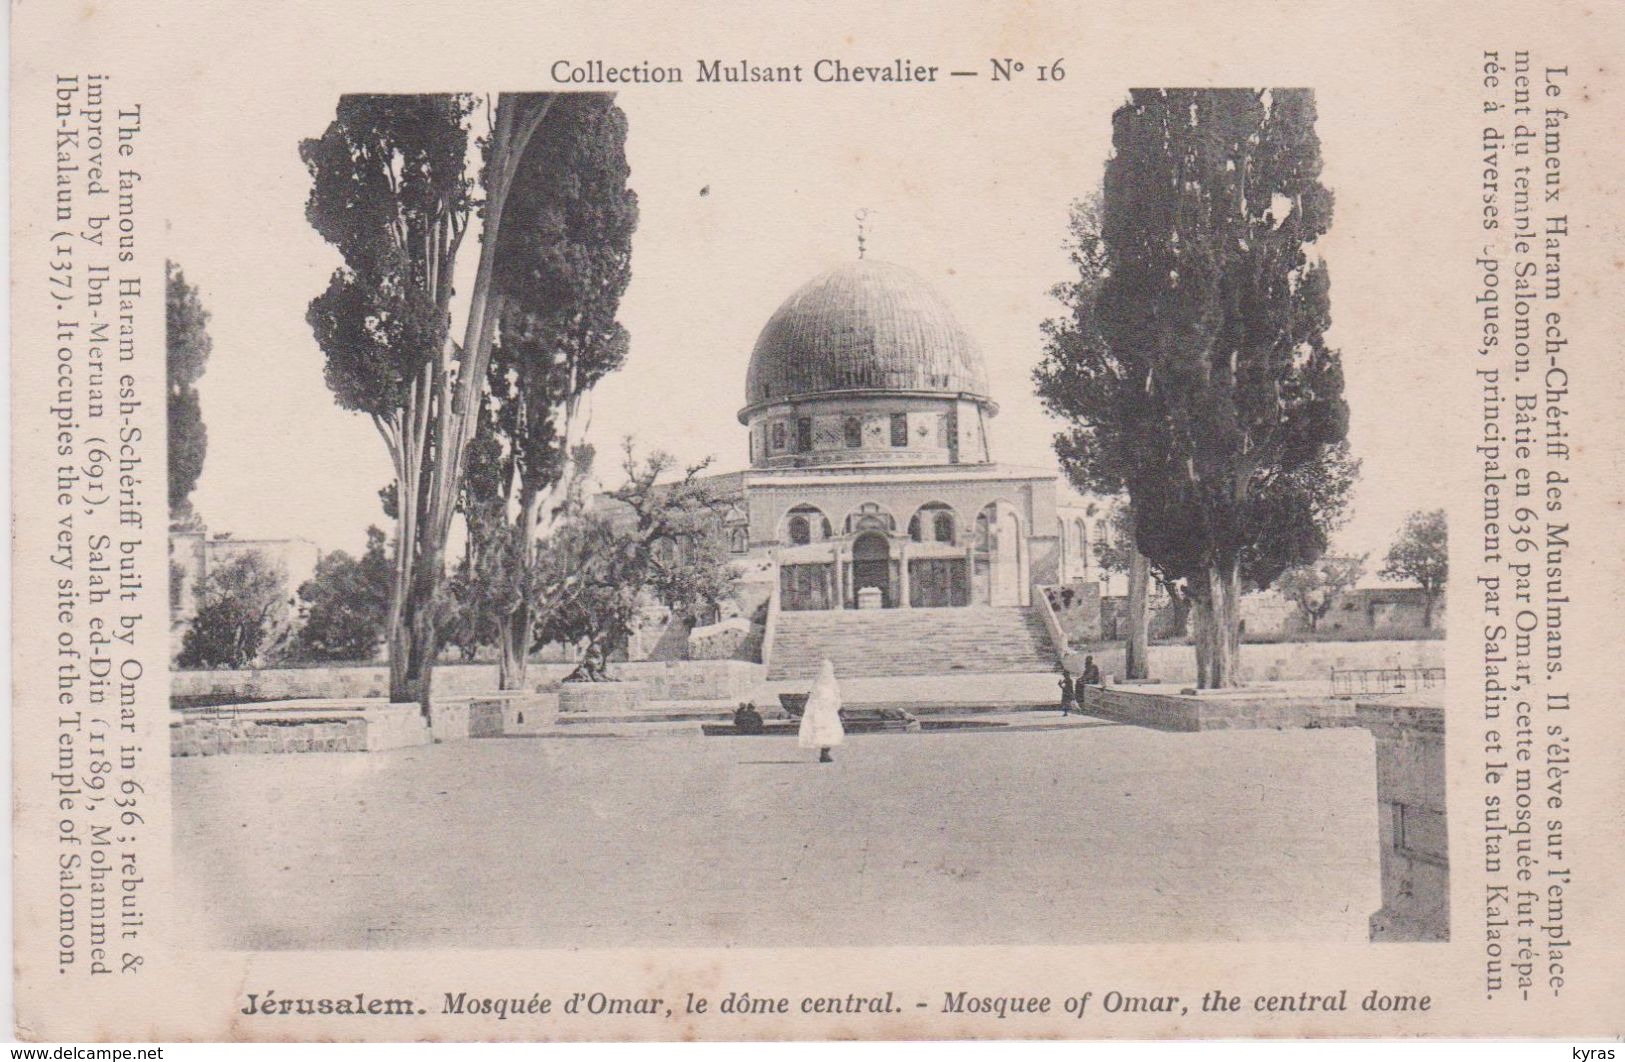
column 347, row 603
column 244, row 616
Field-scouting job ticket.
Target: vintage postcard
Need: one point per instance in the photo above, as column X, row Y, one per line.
column 543, row 521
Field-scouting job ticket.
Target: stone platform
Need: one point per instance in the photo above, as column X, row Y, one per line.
column 358, row 725
column 1081, row 835
column 594, row 709
column 1277, row 706
column 967, row 691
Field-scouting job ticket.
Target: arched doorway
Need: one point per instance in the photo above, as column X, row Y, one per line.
column 999, row 574
column 1007, row 558
column 871, row 565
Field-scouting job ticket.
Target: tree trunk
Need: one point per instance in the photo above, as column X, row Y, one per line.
column 1224, row 633
column 1217, row 611
column 455, row 414
column 400, row 682
column 414, row 642
column 1427, row 612
column 515, row 633
column 515, row 645
column 1201, row 637
column 1232, row 629
column 420, row 635
column 403, row 668
column 1180, row 606
column 1137, row 641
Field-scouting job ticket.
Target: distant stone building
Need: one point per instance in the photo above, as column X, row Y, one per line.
column 1269, row 612
column 1363, row 609
column 1379, row 608
column 193, row 555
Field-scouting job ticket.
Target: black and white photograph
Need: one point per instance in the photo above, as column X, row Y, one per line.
column 611, row 523
column 596, row 534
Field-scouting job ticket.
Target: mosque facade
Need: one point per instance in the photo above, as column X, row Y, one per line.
column 872, row 482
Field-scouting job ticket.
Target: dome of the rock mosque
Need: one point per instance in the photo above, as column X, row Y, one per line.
column 866, row 326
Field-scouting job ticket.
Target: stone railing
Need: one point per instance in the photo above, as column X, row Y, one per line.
column 623, row 695
column 770, row 627
column 1052, row 624
column 722, row 640
column 1385, row 681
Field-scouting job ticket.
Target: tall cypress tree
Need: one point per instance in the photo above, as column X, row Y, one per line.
column 567, row 259
column 1072, row 343
column 186, row 330
column 389, row 190
column 1206, row 387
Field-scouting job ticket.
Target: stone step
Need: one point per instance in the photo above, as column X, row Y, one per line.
column 884, row 642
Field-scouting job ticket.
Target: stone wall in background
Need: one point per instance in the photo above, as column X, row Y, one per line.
column 339, row 683
column 664, row 680
column 1077, row 610
column 693, row 680
column 1160, row 612
column 1285, row 661
column 605, row 698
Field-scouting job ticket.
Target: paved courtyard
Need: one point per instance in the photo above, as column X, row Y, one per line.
column 1090, row 835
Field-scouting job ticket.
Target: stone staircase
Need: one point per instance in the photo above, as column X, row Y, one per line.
column 915, row 641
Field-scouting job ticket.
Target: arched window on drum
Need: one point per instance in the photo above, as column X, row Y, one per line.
column 933, row 522
column 805, row 524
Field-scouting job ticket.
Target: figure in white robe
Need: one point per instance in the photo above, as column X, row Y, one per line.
column 821, row 720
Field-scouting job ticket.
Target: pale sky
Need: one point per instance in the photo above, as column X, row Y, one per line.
column 969, row 190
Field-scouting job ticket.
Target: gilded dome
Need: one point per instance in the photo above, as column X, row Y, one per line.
column 866, row 326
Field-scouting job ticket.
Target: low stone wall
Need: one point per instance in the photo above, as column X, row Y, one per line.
column 602, row 697
column 337, row 683
column 219, row 737
column 1279, row 662
column 303, row 730
column 485, row 719
column 1414, row 850
column 1165, row 708
column 448, row 720
column 664, row 680
column 501, row 714
column 693, row 680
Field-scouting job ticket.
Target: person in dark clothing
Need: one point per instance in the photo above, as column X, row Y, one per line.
column 1091, row 673
column 1069, row 696
column 747, row 720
